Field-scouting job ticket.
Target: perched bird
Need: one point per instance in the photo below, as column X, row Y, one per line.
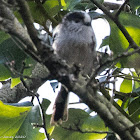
column 74, row 42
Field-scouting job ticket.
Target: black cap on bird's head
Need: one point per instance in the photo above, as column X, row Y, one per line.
column 78, row 16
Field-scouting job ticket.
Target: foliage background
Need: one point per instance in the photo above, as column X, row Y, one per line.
column 26, row 62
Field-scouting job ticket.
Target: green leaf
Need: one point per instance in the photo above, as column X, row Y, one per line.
column 26, row 103
column 126, row 103
column 4, row 73
column 11, row 55
column 95, row 123
column 134, row 110
column 134, row 4
column 32, row 118
column 26, row 130
column 16, row 122
column 15, row 81
column 137, row 91
column 45, row 105
column 70, row 4
column 126, row 86
column 105, row 42
column 36, row 13
column 11, row 61
column 11, row 119
column 136, row 83
column 119, row 102
column 52, row 7
column 63, row 3
column 80, row 6
column 3, row 36
column 138, row 11
column 18, row 16
column 54, row 84
column 118, row 43
column 79, row 121
column 30, row 64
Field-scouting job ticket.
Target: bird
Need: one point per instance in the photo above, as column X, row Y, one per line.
column 74, row 42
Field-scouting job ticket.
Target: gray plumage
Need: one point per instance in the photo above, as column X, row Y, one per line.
column 74, row 41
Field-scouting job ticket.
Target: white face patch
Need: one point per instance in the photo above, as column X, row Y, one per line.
column 87, row 18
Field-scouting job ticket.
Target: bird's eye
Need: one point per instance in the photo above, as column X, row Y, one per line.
column 77, row 21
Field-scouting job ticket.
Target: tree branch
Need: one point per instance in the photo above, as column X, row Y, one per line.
column 41, row 108
column 28, row 20
column 112, row 60
column 107, row 112
column 43, row 119
column 10, row 24
column 57, row 67
column 121, row 8
column 111, row 5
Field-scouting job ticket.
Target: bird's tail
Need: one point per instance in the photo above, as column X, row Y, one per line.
column 60, row 113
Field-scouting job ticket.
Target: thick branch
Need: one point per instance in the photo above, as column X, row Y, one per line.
column 112, row 6
column 55, row 66
column 28, row 20
column 10, row 24
column 113, row 118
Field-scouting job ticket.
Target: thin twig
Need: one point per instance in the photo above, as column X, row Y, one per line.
column 24, row 48
column 124, row 76
column 47, row 30
column 110, row 60
column 40, row 105
column 127, row 78
column 121, row 8
column 43, row 118
column 122, row 94
column 23, row 81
